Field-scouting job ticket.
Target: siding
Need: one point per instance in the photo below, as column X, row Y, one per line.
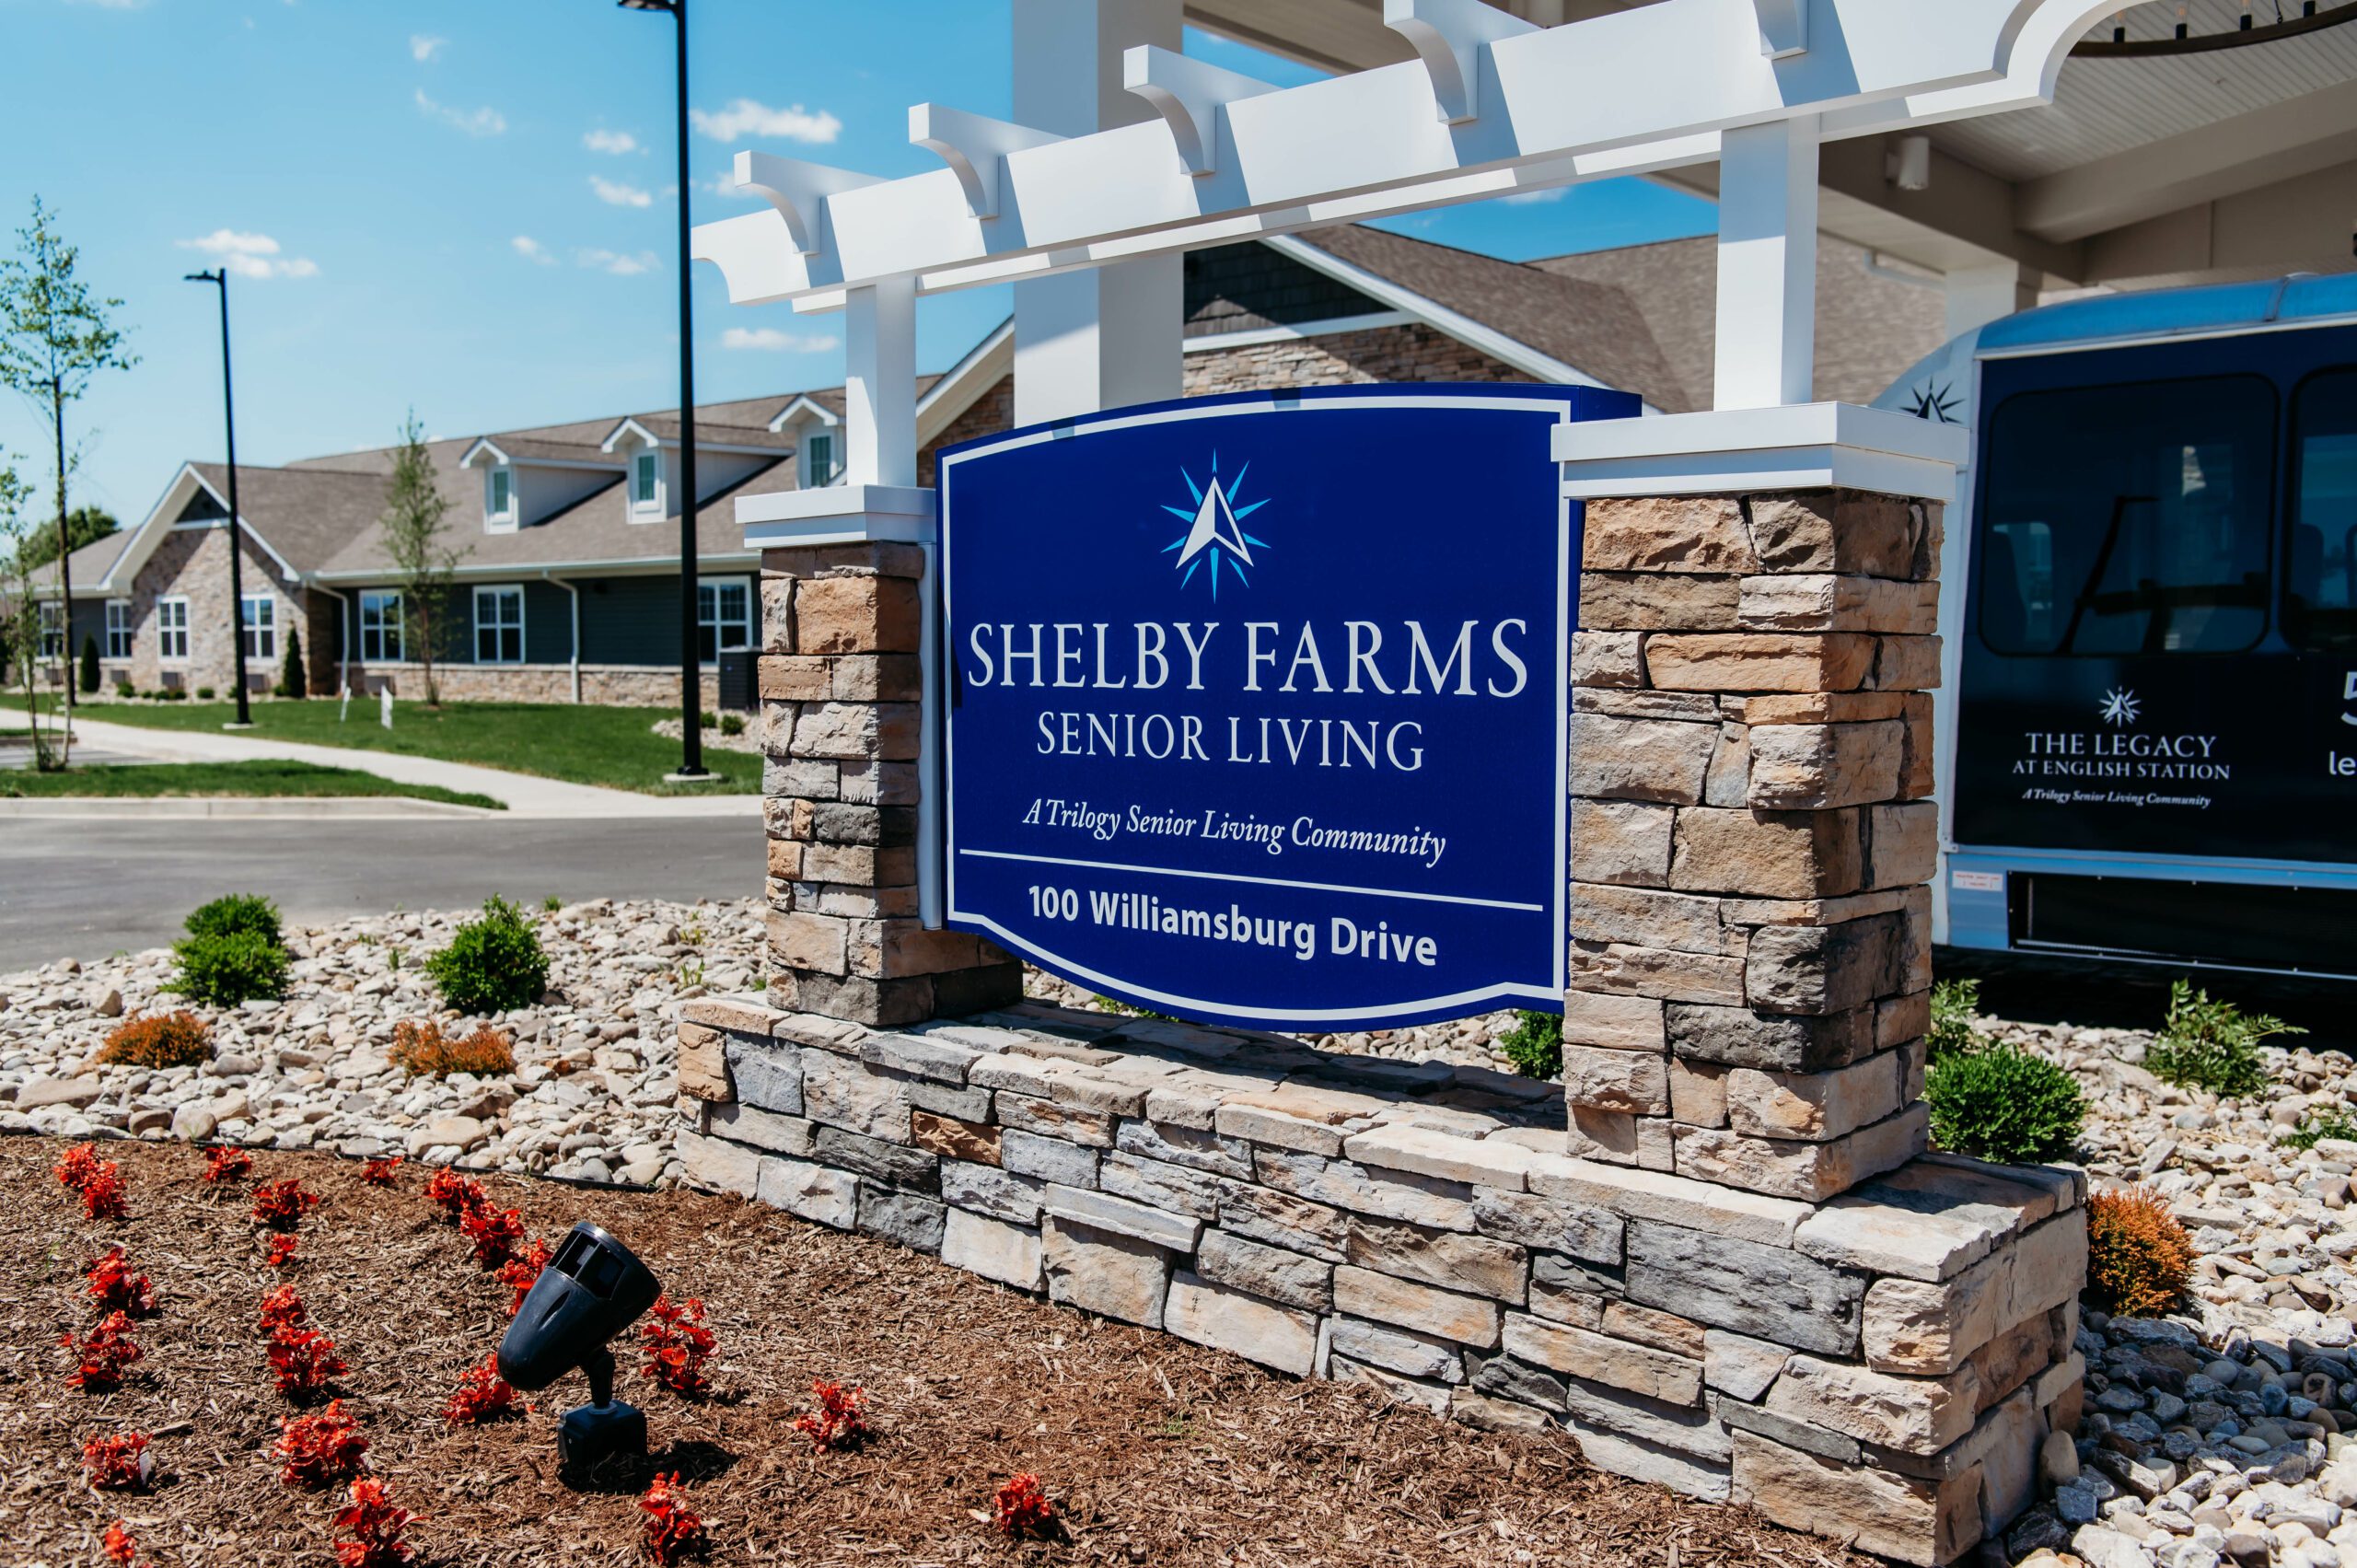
column 1237, row 288
column 630, row 620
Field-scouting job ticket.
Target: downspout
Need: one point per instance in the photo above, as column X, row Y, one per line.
column 575, row 592
column 344, row 632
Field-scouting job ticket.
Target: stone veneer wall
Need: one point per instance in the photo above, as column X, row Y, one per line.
column 622, row 685
column 1880, row 1367
column 1751, row 834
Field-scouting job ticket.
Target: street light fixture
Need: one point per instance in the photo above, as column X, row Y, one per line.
column 691, row 766
column 219, row 278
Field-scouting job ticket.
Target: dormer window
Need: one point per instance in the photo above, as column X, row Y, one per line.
column 647, row 482
column 499, row 497
column 817, row 458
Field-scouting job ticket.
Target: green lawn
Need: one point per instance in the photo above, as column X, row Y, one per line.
column 155, row 781
column 612, row 747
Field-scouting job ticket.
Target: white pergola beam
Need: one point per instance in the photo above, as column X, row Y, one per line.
column 1448, row 37
column 1656, row 82
column 1783, row 28
column 1189, row 95
column 975, row 147
column 797, row 191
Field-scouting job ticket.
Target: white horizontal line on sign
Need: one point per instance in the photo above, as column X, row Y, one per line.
column 1258, row 881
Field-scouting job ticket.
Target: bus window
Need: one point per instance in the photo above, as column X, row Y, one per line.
column 2129, row 520
column 2320, row 567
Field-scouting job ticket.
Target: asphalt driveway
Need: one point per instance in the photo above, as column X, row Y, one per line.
column 84, row 888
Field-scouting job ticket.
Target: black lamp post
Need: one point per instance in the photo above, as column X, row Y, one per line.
column 219, row 278
column 690, row 683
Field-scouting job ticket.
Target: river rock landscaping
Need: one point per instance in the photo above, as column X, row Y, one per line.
column 2225, row 1431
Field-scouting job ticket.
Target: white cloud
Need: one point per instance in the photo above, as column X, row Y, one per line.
column 1523, row 198
column 614, row 194
column 604, row 141
column 771, row 340
column 252, row 255
column 617, row 264
column 425, row 46
column 744, row 117
column 532, row 250
column 485, row 121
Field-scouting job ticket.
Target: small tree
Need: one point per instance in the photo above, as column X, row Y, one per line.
column 56, row 335
column 21, row 622
column 414, row 529
column 89, row 664
column 293, row 682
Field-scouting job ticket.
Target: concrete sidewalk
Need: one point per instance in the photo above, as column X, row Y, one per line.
column 523, row 793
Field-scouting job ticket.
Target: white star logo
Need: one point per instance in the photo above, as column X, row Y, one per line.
column 2119, row 706
column 1215, row 529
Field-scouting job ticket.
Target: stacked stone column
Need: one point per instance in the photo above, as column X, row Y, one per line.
column 842, row 686
column 1751, row 836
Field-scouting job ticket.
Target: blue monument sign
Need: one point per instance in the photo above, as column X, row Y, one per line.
column 1257, row 705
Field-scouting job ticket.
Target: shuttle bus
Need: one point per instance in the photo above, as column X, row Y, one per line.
column 2147, row 723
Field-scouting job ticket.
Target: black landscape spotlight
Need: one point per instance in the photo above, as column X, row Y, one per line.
column 593, row 1289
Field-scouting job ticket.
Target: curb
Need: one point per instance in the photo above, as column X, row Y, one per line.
column 240, row 806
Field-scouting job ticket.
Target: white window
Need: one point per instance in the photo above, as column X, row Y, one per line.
column 258, row 618
column 499, row 497
column 723, row 616
column 647, row 482
column 817, row 458
column 380, row 626
column 499, row 625
column 119, row 627
column 172, row 629
column 53, row 629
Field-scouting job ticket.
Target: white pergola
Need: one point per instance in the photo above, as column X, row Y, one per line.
column 1129, row 154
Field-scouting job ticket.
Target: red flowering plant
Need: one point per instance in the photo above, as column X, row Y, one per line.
column 483, row 1395
column 225, row 1164
column 118, row 1461
column 495, row 1233
column 678, row 1345
column 75, row 1166
column 369, row 1528
column 116, row 1289
column 102, row 1197
column 282, row 1205
column 523, row 1271
column 118, row 1545
column 279, row 1250
column 673, row 1531
column 840, row 1419
column 305, row 1363
column 380, row 1172
column 320, row 1450
column 453, row 1194
column 282, row 1311
column 104, row 1354
column 1021, row 1507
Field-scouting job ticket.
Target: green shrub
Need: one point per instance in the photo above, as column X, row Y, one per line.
column 293, row 679
column 732, row 724
column 552, row 903
column 2316, row 1126
column 2001, row 1102
column 235, row 912
column 89, row 666
column 1535, row 1044
column 704, row 719
column 226, row 970
column 494, row 963
column 125, row 690
column 205, row 694
column 1954, row 1002
column 2213, row 1045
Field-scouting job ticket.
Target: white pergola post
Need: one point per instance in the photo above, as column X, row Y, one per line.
column 1105, row 336
column 880, row 383
column 1767, row 326
column 1978, row 296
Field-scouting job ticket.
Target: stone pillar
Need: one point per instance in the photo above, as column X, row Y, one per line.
column 841, row 686
column 1751, row 834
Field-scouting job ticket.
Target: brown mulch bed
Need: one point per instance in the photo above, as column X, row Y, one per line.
column 1153, row 1450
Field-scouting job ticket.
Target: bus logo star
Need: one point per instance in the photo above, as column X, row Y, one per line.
column 2119, row 706
column 1215, row 529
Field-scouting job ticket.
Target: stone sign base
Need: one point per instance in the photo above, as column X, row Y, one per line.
column 1881, row 1367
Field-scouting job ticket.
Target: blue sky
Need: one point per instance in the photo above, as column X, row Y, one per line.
column 467, row 207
